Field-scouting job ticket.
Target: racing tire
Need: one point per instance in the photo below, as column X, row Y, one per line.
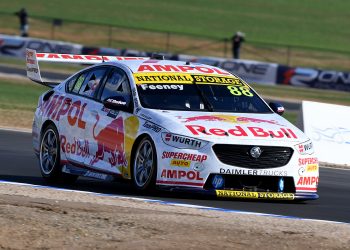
column 144, row 165
column 50, row 158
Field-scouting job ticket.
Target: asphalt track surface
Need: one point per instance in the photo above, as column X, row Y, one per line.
column 19, row 164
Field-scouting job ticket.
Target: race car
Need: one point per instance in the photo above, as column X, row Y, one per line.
column 168, row 124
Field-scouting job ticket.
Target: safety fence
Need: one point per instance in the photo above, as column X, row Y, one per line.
column 112, row 36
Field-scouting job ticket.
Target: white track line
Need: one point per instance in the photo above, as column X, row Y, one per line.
column 172, row 203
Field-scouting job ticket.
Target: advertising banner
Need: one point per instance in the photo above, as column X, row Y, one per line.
column 307, row 77
column 16, row 46
column 250, row 71
column 328, row 126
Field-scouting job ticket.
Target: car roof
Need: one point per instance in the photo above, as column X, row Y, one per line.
column 158, row 66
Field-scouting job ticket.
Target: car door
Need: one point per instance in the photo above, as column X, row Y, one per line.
column 105, row 133
column 71, row 118
column 80, row 98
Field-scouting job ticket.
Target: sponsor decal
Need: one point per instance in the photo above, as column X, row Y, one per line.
column 180, row 163
column 162, row 86
column 152, row 126
column 181, row 174
column 239, row 131
column 110, row 140
column 160, row 80
column 181, row 68
column 226, row 118
column 307, row 161
column 110, row 100
column 95, row 175
column 305, row 148
column 76, row 147
column 325, row 79
column 312, row 168
column 253, row 172
column 308, row 168
column 308, row 181
column 180, row 141
column 184, row 156
column 86, row 57
column 254, row 195
column 58, row 106
column 145, row 117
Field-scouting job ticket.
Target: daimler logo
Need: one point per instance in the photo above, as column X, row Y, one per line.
column 255, row 152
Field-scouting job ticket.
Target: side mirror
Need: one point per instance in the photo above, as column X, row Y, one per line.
column 277, row 108
column 118, row 102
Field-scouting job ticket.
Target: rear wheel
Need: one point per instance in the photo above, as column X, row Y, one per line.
column 49, row 158
column 145, row 165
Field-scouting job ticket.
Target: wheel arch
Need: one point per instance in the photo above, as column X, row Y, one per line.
column 134, row 147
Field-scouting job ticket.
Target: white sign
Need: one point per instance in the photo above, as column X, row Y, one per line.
column 248, row 70
column 16, row 46
column 328, row 125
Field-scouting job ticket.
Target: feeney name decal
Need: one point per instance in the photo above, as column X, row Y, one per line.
column 184, row 156
column 254, row 195
column 239, row 131
column 58, row 106
column 181, row 174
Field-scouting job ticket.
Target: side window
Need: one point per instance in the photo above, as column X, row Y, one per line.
column 92, row 82
column 116, row 82
column 70, row 83
column 79, row 82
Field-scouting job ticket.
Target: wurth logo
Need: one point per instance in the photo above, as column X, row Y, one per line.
column 167, row 137
column 179, row 141
column 185, row 140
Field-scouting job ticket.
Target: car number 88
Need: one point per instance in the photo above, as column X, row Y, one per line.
column 238, row 91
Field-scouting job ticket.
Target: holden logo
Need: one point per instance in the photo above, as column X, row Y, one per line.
column 255, row 152
column 167, row 137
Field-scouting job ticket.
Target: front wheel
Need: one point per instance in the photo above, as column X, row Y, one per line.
column 145, row 165
column 49, row 158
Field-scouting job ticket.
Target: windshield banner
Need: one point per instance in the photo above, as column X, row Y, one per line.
column 179, row 78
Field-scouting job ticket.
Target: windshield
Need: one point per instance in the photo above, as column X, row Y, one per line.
column 175, row 91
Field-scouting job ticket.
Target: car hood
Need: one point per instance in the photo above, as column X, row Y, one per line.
column 226, row 127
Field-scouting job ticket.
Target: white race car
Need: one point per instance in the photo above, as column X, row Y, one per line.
column 170, row 124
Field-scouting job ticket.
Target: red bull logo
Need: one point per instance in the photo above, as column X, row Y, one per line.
column 110, row 140
column 242, row 132
column 228, row 118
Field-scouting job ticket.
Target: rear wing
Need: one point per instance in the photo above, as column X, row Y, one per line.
column 33, row 58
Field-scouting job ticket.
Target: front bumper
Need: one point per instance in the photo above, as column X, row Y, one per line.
column 239, row 194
